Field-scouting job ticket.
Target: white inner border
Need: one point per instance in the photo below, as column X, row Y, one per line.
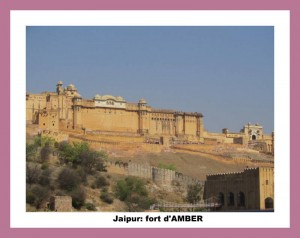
column 279, row 19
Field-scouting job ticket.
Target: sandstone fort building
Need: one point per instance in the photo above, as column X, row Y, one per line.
column 252, row 189
column 66, row 110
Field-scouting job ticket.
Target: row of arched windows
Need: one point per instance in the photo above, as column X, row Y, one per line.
column 230, row 199
column 241, row 200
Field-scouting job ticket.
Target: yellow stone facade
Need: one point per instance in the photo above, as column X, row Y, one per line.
column 252, row 189
column 251, row 135
column 65, row 109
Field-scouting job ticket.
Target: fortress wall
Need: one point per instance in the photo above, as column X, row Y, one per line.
column 115, row 138
column 139, row 170
column 32, row 129
column 190, row 125
column 151, row 147
column 219, row 138
column 159, row 122
column 269, row 140
column 74, row 112
column 49, row 120
column 187, row 180
column 258, row 145
column 229, row 140
column 267, row 137
column 57, row 136
column 179, row 124
column 266, row 180
column 146, row 121
column 107, row 119
column 34, row 103
column 122, row 142
column 66, row 124
column 215, row 135
column 163, row 126
column 164, row 177
column 77, row 138
column 233, row 135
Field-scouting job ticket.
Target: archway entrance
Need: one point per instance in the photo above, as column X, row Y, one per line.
column 241, row 199
column 269, row 204
column 221, row 198
column 230, row 199
column 253, row 137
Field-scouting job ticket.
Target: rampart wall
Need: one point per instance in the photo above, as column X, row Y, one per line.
column 57, row 136
column 220, row 138
column 163, row 177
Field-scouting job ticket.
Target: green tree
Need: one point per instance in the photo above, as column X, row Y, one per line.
column 38, row 141
column 134, row 193
column 31, row 150
column 82, row 174
column 92, row 161
column 81, row 154
column 100, row 181
column 44, row 178
column 41, row 141
column 66, row 152
column 78, row 197
column 46, row 152
column 68, row 179
column 32, row 174
column 37, row 195
column 193, row 193
column 90, row 206
column 72, row 152
column 106, row 196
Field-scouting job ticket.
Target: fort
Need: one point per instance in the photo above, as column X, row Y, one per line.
column 111, row 122
column 252, row 189
column 117, row 120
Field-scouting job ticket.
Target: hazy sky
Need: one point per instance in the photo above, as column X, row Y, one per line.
column 226, row 73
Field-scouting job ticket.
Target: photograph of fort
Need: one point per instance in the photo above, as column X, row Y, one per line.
column 64, row 115
column 105, row 153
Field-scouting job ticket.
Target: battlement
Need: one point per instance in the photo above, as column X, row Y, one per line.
column 240, row 173
column 161, row 176
column 232, row 173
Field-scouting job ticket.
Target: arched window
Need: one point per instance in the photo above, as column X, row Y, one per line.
column 253, row 137
column 241, row 199
column 221, row 198
column 230, row 199
column 269, row 203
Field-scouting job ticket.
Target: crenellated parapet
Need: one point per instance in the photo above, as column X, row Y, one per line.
column 161, row 176
column 234, row 174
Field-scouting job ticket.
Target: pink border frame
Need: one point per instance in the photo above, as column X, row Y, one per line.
column 7, row 5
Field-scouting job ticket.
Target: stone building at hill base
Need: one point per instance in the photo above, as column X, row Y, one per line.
column 252, row 189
